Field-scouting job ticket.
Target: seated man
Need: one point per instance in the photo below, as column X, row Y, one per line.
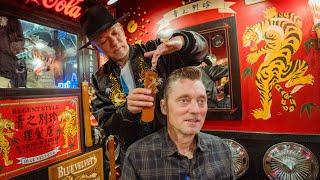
column 180, row 150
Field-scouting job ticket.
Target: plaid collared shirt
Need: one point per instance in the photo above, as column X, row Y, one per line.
column 156, row 157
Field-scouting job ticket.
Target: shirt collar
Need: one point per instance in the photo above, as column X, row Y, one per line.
column 201, row 143
column 131, row 52
column 169, row 148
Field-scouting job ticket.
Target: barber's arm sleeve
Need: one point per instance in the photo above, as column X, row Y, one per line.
column 216, row 72
column 193, row 51
column 195, row 47
column 128, row 171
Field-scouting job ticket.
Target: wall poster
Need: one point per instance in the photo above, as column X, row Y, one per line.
column 37, row 132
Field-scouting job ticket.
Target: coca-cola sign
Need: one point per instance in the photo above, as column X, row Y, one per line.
column 69, row 8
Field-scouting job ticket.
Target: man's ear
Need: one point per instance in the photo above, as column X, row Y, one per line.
column 163, row 106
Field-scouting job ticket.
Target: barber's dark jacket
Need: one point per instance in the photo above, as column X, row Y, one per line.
column 109, row 107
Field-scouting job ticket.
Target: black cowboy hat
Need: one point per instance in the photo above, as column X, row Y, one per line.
column 96, row 20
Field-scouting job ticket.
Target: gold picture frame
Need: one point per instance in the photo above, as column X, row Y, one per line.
column 249, row 2
column 39, row 127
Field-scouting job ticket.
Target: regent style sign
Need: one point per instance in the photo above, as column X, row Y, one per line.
column 35, row 133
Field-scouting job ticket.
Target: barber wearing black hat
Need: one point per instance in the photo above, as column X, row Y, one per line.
column 118, row 83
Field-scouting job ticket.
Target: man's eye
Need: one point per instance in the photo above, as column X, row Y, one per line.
column 184, row 101
column 202, row 101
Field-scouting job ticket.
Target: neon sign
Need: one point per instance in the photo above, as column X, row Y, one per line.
column 69, row 8
column 64, row 85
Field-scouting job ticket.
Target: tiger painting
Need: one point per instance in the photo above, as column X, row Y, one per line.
column 282, row 35
column 67, row 121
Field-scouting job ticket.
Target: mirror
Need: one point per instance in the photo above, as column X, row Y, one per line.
column 215, row 69
column 220, row 68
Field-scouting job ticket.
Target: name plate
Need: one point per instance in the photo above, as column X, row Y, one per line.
column 86, row 166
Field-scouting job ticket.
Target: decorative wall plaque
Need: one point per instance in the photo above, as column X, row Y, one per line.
column 35, row 133
column 87, row 166
column 240, row 157
column 290, row 161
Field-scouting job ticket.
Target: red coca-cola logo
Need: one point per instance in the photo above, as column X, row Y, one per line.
column 69, row 8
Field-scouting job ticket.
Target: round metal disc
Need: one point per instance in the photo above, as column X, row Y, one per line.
column 240, row 157
column 290, row 161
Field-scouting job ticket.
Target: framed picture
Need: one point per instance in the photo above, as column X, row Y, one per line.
column 38, row 132
column 222, row 86
column 249, row 2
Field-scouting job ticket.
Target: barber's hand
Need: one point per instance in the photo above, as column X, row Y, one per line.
column 173, row 45
column 138, row 99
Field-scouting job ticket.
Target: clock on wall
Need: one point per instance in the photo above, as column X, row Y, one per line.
column 290, row 161
column 136, row 25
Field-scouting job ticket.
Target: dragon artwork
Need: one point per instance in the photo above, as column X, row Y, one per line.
column 115, row 91
column 6, row 131
column 282, row 35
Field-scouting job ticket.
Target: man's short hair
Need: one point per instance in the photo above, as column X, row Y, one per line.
column 190, row 72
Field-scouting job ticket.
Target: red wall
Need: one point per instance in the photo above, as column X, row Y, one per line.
column 246, row 15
